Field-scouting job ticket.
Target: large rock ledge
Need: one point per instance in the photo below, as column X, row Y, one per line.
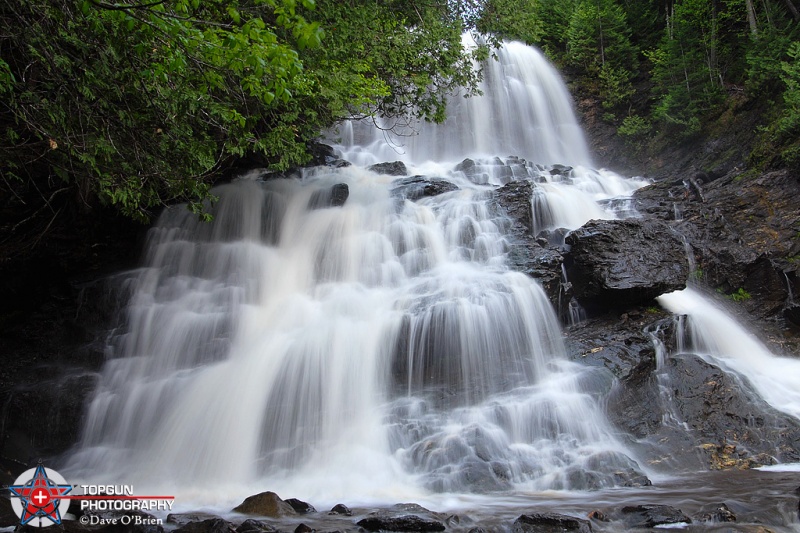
column 619, row 263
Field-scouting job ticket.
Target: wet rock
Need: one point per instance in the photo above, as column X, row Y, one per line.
column 302, row 528
column 300, row 506
column 8, row 517
column 181, row 519
column 467, row 166
column 400, row 523
column 515, row 198
column 456, row 520
column 417, row 187
column 550, row 523
column 791, row 313
column 525, row 254
column 735, row 427
column 636, row 516
column 339, row 194
column 321, row 154
column 212, row 525
column 560, row 170
column 255, row 526
column 336, row 196
column 634, row 405
column 619, row 263
column 60, row 402
column 598, row 516
column 265, row 504
column 410, row 508
column 716, row 513
column 341, row 509
column 396, row 168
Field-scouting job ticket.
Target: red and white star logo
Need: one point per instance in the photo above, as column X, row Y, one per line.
column 40, row 496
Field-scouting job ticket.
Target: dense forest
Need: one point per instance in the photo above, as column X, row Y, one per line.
column 140, row 103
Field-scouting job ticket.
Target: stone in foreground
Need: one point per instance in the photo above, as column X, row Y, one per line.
column 400, row 523
column 550, row 523
column 265, row 504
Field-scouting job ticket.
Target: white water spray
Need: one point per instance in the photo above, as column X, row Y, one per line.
column 715, row 334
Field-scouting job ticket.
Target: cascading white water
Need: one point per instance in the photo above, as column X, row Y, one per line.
column 525, row 110
column 715, row 334
column 368, row 351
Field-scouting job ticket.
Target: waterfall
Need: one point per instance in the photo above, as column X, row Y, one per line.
column 715, row 334
column 380, row 349
column 525, row 110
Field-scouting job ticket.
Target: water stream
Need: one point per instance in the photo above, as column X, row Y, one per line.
column 379, row 351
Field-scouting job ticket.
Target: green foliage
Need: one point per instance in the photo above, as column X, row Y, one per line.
column 789, row 123
column 514, row 20
column 765, row 58
column 615, row 85
column 139, row 104
column 634, row 126
column 740, row 295
column 598, row 36
column 409, row 58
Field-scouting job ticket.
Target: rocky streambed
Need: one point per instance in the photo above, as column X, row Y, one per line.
column 704, row 502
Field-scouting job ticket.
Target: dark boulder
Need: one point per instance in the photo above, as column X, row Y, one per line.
column 396, row 168
column 265, row 504
column 303, row 528
column 791, row 314
column 642, row 516
column 560, row 170
column 181, row 519
column 550, row 523
column 212, row 525
column 620, row 263
column 416, row 187
column 515, row 199
column 409, row 508
column 321, row 154
column 336, row 196
column 339, row 194
column 715, row 514
column 400, row 523
column 467, row 166
column 300, row 506
column 341, row 509
column 255, row 526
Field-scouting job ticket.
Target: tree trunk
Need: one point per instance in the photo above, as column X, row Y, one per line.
column 792, row 9
column 751, row 16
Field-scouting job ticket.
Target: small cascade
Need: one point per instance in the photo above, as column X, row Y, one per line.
column 670, row 416
column 575, row 312
column 714, row 333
